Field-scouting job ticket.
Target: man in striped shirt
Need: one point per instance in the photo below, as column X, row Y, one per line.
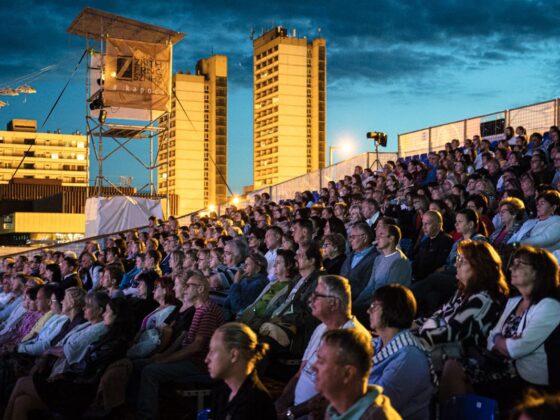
column 187, row 362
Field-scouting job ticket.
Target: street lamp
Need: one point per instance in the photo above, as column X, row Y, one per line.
column 346, row 148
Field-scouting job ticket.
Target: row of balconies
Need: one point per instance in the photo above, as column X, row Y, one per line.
column 43, row 142
column 41, row 157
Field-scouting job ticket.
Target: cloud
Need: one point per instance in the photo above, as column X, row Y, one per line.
column 375, row 42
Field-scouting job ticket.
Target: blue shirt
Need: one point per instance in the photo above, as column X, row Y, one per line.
column 359, row 255
column 405, row 378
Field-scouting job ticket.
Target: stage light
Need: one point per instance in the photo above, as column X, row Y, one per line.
column 379, row 137
column 102, row 116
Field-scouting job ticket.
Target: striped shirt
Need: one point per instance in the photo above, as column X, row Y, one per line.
column 207, row 318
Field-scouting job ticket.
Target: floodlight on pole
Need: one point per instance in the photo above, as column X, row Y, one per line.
column 346, row 148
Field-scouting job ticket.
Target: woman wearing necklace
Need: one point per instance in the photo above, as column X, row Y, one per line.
column 523, row 346
column 401, row 364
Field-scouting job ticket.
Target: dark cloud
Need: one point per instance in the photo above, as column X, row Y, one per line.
column 379, row 41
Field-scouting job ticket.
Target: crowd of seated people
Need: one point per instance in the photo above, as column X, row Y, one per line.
column 393, row 291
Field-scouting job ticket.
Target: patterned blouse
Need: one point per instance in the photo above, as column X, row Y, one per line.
column 465, row 320
column 22, row 328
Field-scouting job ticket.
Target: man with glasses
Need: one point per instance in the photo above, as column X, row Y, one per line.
column 330, row 303
column 358, row 265
column 187, row 363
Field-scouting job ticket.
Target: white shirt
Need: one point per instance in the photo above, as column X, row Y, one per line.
column 271, row 259
column 528, row 351
column 305, row 387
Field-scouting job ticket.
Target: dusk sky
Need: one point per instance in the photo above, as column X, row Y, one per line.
column 392, row 66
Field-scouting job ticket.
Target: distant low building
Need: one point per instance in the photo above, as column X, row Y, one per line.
column 48, row 155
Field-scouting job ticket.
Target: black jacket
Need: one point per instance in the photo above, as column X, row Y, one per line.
column 251, row 402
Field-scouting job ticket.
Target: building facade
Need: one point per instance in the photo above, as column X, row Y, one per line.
column 48, row 156
column 197, row 153
column 289, row 100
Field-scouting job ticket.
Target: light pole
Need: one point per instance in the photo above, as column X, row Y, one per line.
column 346, row 147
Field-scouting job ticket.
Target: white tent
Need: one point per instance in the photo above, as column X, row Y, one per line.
column 106, row 215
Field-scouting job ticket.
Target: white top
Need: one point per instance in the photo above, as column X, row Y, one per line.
column 42, row 341
column 305, row 387
column 271, row 259
column 541, row 233
column 537, row 323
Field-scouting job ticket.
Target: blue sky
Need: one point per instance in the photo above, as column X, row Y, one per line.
column 392, row 66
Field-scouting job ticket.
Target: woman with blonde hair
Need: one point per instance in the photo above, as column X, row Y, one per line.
column 234, row 352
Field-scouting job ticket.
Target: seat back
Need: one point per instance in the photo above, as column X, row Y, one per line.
column 469, row 407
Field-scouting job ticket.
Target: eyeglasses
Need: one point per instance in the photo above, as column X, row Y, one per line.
column 374, row 305
column 316, row 295
column 352, row 237
column 192, row 284
column 518, row 263
column 460, row 260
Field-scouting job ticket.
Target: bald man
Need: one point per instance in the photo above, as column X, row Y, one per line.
column 434, row 247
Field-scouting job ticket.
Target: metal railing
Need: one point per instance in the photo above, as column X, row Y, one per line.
column 534, row 118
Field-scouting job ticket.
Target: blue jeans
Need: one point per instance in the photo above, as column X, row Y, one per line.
column 155, row 374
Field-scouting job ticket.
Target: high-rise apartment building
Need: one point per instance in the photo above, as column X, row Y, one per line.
column 48, row 155
column 289, row 98
column 197, row 170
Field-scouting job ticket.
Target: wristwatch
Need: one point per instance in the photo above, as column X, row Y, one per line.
column 290, row 415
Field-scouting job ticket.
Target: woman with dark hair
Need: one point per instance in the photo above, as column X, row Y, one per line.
column 272, row 295
column 247, row 285
column 334, row 248
column 479, row 204
column 176, row 261
column 234, row 352
column 523, row 346
column 341, row 210
column 111, row 277
column 71, row 392
column 544, row 231
column 12, row 337
column 148, row 338
column 144, row 302
column 401, row 363
column 53, row 274
column 466, row 319
column 334, row 225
